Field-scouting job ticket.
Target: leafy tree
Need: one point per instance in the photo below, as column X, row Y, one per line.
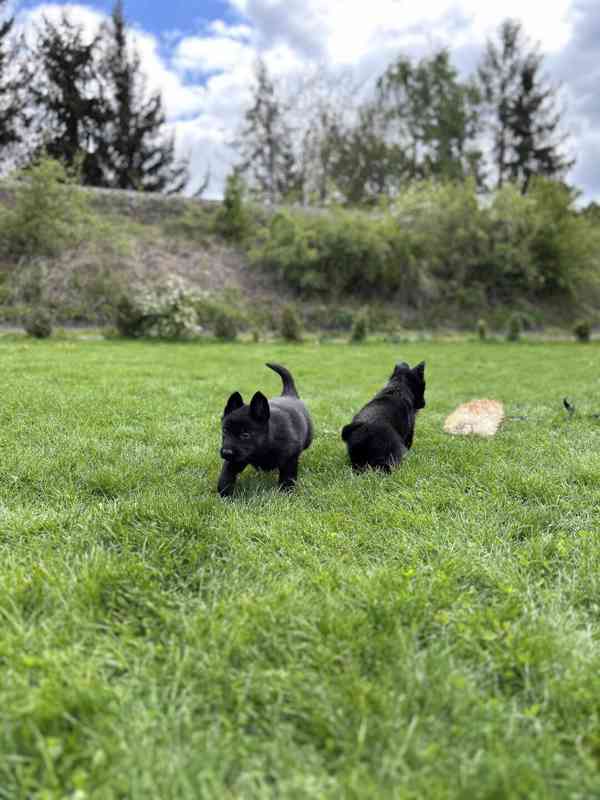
column 432, row 119
column 134, row 151
column 318, row 108
column 9, row 87
column 521, row 107
column 63, row 85
column 366, row 166
column 265, row 143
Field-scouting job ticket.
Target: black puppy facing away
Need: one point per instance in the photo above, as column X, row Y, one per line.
column 267, row 434
column 382, row 431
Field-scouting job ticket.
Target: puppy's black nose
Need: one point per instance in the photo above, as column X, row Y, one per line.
column 226, row 453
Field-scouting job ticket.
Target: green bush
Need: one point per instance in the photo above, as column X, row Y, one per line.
column 50, row 213
column 291, row 327
column 232, row 220
column 337, row 252
column 583, row 330
column 38, row 323
column 129, row 318
column 515, row 326
column 359, row 329
column 225, row 326
column 440, row 244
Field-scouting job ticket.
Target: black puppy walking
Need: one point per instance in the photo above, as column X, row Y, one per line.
column 382, row 431
column 268, row 434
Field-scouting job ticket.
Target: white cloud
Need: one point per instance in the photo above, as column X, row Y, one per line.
column 220, row 28
column 211, row 54
column 345, row 32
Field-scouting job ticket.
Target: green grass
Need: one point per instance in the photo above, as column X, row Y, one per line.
column 432, row 634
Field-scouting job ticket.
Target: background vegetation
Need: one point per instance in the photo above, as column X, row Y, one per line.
column 437, row 255
column 431, row 198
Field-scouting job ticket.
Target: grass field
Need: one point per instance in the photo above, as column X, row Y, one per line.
column 432, row 634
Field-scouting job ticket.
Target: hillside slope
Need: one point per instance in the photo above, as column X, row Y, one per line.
column 136, row 240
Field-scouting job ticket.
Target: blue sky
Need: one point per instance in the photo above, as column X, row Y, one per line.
column 158, row 17
column 201, row 56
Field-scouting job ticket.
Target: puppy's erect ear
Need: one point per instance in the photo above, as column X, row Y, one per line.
column 420, row 370
column 234, row 402
column 259, row 407
column 348, row 429
column 417, row 375
column 401, row 368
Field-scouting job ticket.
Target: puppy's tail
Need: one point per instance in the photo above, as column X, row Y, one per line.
column 289, row 387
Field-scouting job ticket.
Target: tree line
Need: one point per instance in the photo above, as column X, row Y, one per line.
column 86, row 104
column 420, row 121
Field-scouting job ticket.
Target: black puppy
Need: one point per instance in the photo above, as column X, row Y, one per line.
column 268, row 434
column 382, row 431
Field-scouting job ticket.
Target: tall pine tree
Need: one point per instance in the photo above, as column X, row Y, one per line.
column 63, row 84
column 9, row 88
column 521, row 108
column 265, row 144
column 134, row 151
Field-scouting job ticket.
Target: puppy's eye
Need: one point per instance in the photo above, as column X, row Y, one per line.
column 244, row 435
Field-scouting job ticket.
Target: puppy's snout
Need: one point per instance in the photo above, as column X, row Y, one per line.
column 226, row 453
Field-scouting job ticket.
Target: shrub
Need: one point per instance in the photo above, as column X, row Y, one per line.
column 129, row 318
column 340, row 251
column 440, row 243
column 225, row 326
column 291, row 328
column 50, row 212
column 359, row 329
column 38, row 323
column 514, row 328
column 232, row 221
column 165, row 312
column 482, row 329
column 582, row 330
column 343, row 319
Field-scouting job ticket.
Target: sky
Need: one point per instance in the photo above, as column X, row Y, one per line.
column 201, row 54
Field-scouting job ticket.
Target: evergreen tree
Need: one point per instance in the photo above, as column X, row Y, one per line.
column 432, row 119
column 63, row 85
column 9, row 88
column 521, row 107
column 265, row 144
column 133, row 149
column 498, row 75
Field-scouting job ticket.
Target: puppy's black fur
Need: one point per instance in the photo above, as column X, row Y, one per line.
column 382, row 431
column 267, row 434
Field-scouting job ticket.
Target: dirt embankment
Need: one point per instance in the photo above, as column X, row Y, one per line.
column 136, row 239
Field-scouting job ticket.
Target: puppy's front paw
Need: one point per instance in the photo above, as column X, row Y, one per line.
column 226, row 484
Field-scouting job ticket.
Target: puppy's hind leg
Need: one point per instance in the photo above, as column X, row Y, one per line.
column 288, row 473
column 397, row 452
column 228, row 477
